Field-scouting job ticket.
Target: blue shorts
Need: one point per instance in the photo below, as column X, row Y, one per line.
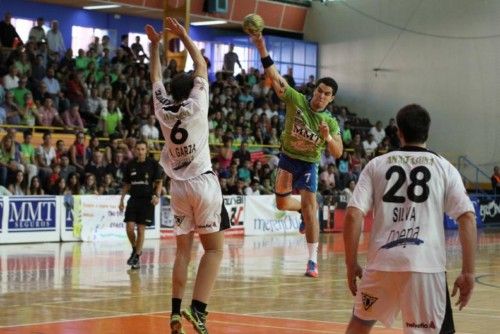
column 305, row 174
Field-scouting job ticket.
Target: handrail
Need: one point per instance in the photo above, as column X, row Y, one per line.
column 462, row 162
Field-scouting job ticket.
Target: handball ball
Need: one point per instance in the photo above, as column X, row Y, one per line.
column 253, row 24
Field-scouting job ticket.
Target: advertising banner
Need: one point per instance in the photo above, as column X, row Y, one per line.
column 235, row 206
column 263, row 218
column 29, row 219
column 97, row 218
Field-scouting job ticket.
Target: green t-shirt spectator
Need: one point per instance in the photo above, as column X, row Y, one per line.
column 28, row 152
column 111, row 120
column 81, row 63
column 19, row 93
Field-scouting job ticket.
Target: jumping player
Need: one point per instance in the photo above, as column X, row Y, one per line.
column 196, row 203
column 408, row 190
column 308, row 130
column 143, row 179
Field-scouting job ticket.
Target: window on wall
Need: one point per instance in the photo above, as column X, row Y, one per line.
column 23, row 27
column 247, row 55
column 189, row 61
column 82, row 37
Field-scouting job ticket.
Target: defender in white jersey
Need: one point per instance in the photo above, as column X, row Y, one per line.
column 196, row 197
column 408, row 190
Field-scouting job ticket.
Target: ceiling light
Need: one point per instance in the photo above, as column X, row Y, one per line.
column 101, row 7
column 208, row 23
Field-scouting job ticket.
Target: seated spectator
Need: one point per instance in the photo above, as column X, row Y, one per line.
column 20, row 91
column 12, row 112
column 73, row 184
column 66, row 168
column 72, row 119
column 117, row 167
column 242, row 153
column 150, row 133
column 495, row 180
column 29, row 111
column 93, row 108
column 111, row 149
column 111, row 120
column 90, row 185
column 327, row 178
column 36, row 187
column 224, row 186
column 91, row 148
column 60, row 188
column 108, row 186
column 370, row 146
column 347, row 192
column 384, row 147
column 378, row 132
column 23, row 64
column 244, row 171
column 18, row 186
column 11, row 80
column 47, row 115
column 10, row 160
column 267, row 187
column 346, row 134
column 77, row 152
column 326, row 159
column 225, row 155
column 45, row 156
column 96, row 167
column 53, row 86
column 60, row 150
column 357, row 145
column 238, row 188
column 75, row 90
column 28, row 156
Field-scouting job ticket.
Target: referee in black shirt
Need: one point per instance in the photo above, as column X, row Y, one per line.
column 143, row 179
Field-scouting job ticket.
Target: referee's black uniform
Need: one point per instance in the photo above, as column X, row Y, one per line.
column 141, row 176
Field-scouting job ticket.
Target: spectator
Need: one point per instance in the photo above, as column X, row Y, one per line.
column 91, row 148
column 96, row 167
column 357, row 145
column 8, row 33
column 72, row 118
column 18, row 186
column 23, row 64
column 125, row 48
column 106, row 44
column 75, row 89
column 10, row 160
column 378, row 132
column 37, row 33
column 111, row 118
column 3, row 116
column 45, row 157
column 55, row 40
column 11, row 80
column 342, row 118
column 36, row 187
column 66, row 169
column 117, row 167
column 60, row 188
column 77, row 152
column 347, row 134
column 289, row 77
column 244, row 171
column 28, row 112
column 90, row 185
column 28, row 156
column 47, row 115
column 138, row 50
column 347, row 192
column 391, row 131
column 326, row 159
column 108, row 186
column 327, row 179
column 74, row 184
column 384, row 147
column 495, row 180
column 225, row 155
column 20, row 91
column 38, row 72
column 60, row 150
column 150, row 133
column 53, row 86
column 230, row 58
column 242, row 153
column 370, row 146
column 111, row 149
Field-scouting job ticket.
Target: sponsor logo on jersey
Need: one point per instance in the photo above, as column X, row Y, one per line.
column 423, row 325
column 178, row 220
column 367, row 300
column 207, row 226
column 403, row 237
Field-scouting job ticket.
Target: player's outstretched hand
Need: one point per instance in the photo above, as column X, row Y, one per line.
column 175, row 27
column 153, row 36
column 464, row 284
column 354, row 271
column 258, row 40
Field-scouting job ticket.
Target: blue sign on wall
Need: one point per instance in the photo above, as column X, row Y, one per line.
column 32, row 214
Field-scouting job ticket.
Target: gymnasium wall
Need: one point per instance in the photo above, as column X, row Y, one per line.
column 441, row 54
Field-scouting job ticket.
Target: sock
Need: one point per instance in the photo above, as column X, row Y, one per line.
column 176, row 305
column 198, row 306
column 313, row 251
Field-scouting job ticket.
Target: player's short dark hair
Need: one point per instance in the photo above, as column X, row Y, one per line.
column 329, row 82
column 414, row 122
column 181, row 86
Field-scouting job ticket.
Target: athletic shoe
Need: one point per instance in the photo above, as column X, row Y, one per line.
column 312, row 269
column 176, row 324
column 135, row 263
column 129, row 261
column 302, row 227
column 197, row 319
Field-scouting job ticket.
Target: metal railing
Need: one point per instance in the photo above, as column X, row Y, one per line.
column 464, row 162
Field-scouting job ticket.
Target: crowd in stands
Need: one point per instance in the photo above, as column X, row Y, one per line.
column 103, row 96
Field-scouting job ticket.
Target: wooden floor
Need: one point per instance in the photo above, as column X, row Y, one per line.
column 77, row 288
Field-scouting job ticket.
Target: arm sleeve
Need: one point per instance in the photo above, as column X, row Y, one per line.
column 199, row 94
column 159, row 101
column 334, row 126
column 292, row 96
column 457, row 202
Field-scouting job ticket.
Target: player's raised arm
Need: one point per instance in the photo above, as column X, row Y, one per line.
column 279, row 83
column 155, row 65
column 200, row 65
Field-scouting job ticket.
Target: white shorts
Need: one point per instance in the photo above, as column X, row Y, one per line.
column 197, row 205
column 422, row 298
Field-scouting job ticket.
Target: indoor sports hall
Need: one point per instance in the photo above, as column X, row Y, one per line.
column 76, row 97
